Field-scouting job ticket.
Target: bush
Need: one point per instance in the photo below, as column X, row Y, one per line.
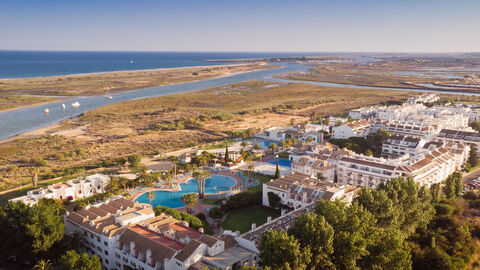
column 134, row 159
column 192, row 221
column 216, row 213
column 242, row 200
column 443, row 209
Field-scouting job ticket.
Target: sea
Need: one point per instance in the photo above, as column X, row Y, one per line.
column 23, row 64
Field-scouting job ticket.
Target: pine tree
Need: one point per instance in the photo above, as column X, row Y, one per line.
column 473, row 156
column 277, row 172
column 227, row 155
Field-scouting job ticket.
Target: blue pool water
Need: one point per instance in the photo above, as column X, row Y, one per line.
column 262, row 143
column 214, row 184
column 281, row 162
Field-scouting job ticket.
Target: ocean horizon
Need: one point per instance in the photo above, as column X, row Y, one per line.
column 26, row 64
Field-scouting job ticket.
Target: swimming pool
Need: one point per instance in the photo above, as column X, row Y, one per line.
column 263, row 143
column 214, row 184
column 281, row 162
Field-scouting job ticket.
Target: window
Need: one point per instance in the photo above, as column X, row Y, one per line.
column 105, row 243
column 106, row 252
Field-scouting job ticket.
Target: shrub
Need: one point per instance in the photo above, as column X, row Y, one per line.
column 216, row 213
column 444, row 209
column 134, row 159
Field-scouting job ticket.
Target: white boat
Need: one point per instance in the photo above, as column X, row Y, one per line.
column 63, row 106
column 109, row 97
column 76, row 104
column 131, row 61
column 47, row 111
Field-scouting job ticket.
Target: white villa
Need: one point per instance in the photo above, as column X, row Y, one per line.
column 360, row 128
column 70, row 190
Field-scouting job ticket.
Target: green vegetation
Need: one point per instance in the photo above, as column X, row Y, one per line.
column 372, row 145
column 282, row 251
column 36, row 234
column 80, row 261
column 192, row 221
column 242, row 219
column 397, row 226
column 190, row 200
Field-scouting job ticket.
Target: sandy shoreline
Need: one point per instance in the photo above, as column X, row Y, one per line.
column 123, row 71
column 47, row 129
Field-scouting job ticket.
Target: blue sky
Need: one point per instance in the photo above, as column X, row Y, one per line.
column 261, row 25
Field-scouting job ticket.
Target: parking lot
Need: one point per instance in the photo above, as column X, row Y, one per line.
column 472, row 180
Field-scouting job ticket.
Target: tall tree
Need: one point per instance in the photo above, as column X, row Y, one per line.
column 273, row 146
column 201, row 177
column 412, row 204
column 473, row 156
column 190, row 200
column 313, row 231
column 28, row 232
column 277, row 172
column 151, row 196
column 278, row 250
column 174, row 161
column 354, row 229
column 80, row 261
column 227, row 154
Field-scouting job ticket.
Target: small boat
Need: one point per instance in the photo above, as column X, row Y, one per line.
column 76, row 104
column 47, row 111
column 131, row 61
column 63, row 106
column 109, row 97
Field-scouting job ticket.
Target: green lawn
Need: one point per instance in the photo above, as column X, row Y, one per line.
column 242, row 219
column 261, row 178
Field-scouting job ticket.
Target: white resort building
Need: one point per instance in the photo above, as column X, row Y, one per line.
column 298, row 190
column 70, row 190
column 128, row 235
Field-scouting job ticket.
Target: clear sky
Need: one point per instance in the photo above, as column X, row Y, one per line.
column 243, row 25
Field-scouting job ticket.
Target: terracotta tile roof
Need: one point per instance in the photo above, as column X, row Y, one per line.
column 161, row 247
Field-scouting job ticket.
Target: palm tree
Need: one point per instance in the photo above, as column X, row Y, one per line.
column 43, row 265
column 151, row 196
column 250, row 169
column 123, row 181
column 201, row 177
column 273, row 146
column 244, row 143
column 174, row 160
column 145, row 178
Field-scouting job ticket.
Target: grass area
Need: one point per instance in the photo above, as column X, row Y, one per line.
column 262, row 179
column 14, row 101
column 391, row 72
column 211, row 201
column 242, row 219
column 103, row 83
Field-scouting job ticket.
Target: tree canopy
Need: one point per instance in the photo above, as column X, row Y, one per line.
column 29, row 232
column 79, row 261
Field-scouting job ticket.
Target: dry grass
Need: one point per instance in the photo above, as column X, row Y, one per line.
column 132, row 127
column 102, row 83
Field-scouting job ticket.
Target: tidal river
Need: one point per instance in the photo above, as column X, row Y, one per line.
column 26, row 119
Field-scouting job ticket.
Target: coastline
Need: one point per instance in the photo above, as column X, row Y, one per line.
column 121, row 71
column 34, row 104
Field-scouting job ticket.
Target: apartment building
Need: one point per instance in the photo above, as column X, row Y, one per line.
column 315, row 166
column 459, row 136
column 298, row 190
column 400, row 145
column 359, row 128
column 128, row 235
column 70, row 190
